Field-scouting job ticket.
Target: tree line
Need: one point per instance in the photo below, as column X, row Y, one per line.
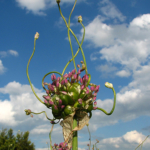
column 10, row 142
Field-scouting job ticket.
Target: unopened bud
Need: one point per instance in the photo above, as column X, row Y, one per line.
column 109, row 85
column 80, row 19
column 36, row 35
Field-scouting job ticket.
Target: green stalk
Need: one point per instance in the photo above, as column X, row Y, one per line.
column 75, row 135
column 69, row 36
column 28, row 74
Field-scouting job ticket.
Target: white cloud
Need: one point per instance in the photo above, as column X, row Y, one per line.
column 38, row 7
column 142, row 22
column 110, row 10
column 106, row 69
column 98, row 33
column 123, row 73
column 21, row 98
column 127, row 45
column 11, row 52
column 2, row 68
column 33, row 5
column 129, row 141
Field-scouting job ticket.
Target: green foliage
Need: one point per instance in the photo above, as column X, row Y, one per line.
column 10, row 142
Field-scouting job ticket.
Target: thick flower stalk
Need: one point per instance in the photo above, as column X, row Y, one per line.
column 71, row 97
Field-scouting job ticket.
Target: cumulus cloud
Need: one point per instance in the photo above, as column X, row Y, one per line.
column 106, row 69
column 21, row 98
column 123, row 73
column 2, row 68
column 110, row 10
column 124, row 44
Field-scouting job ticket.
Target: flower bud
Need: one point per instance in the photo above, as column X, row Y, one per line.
column 57, row 84
column 70, row 74
column 36, row 35
column 47, row 91
column 66, row 75
column 81, row 62
column 53, row 77
column 47, row 97
column 95, row 103
column 94, row 108
column 109, row 85
column 74, row 76
column 97, row 88
column 57, row 1
column 58, row 79
column 66, row 81
column 80, row 101
column 62, row 106
column 73, row 71
column 51, row 102
column 45, row 101
column 95, row 94
column 80, row 19
column 82, row 87
column 81, row 81
column 28, row 111
column 52, row 122
column 92, row 88
column 62, row 82
column 94, row 98
column 78, row 66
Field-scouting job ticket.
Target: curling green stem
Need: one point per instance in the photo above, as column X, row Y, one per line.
column 69, row 36
column 113, row 104
column 28, row 74
column 46, row 116
column 75, row 135
column 76, row 52
column 83, row 52
column 76, row 40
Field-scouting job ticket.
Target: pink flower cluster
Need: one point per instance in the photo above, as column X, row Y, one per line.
column 61, row 84
column 61, row 146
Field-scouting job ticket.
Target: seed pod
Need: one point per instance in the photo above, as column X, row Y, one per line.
column 65, row 99
column 68, row 110
column 75, row 87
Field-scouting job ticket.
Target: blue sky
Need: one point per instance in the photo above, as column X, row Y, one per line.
column 116, row 47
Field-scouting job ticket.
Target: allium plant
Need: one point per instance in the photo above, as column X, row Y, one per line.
column 70, row 96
